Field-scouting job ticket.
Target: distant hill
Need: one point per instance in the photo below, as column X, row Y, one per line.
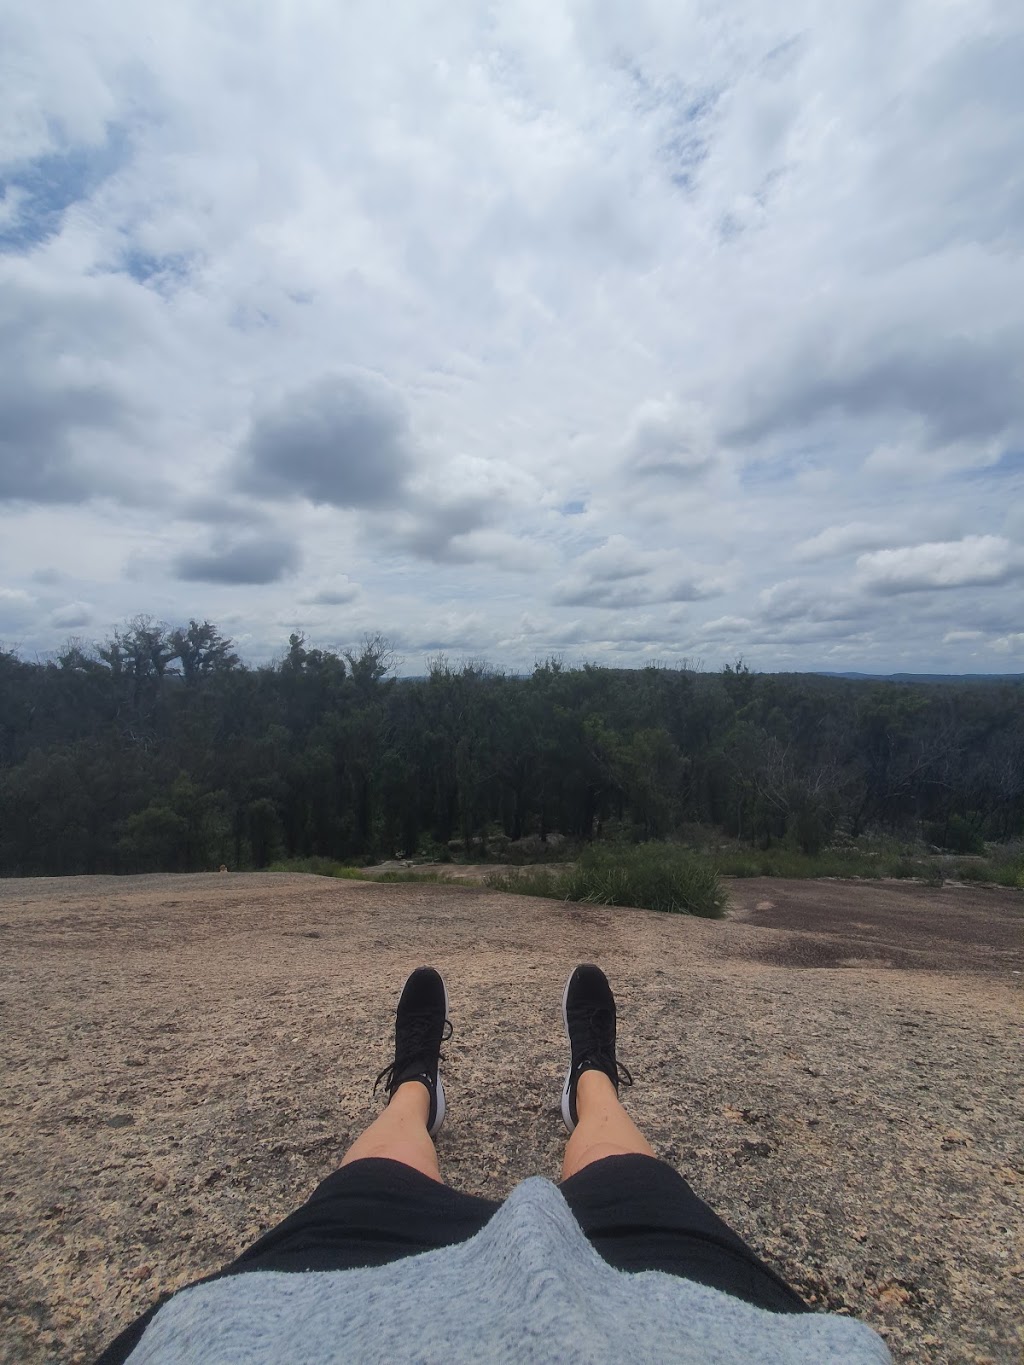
column 928, row 677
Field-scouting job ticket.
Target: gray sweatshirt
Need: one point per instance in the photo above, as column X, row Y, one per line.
column 528, row 1287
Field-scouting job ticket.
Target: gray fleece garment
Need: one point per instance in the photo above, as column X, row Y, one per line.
column 528, row 1287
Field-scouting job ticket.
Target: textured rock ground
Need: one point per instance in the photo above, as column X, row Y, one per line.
column 836, row 1068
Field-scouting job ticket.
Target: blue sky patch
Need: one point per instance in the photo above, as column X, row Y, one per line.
column 1009, row 464
column 160, row 271
column 48, row 186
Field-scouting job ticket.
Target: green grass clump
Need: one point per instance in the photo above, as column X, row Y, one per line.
column 787, row 862
column 406, row 874
column 652, row 876
column 318, row 867
column 328, row 867
column 871, row 864
column 529, row 881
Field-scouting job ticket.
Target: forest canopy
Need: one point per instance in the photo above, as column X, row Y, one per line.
column 160, row 750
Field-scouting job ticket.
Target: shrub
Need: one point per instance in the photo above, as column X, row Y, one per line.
column 532, row 849
column 970, row 872
column 652, row 876
column 529, row 881
column 1006, row 864
column 957, row 835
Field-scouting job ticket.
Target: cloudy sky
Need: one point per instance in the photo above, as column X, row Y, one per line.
column 668, row 330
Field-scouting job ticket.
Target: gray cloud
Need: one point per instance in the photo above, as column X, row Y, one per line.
column 38, row 424
column 666, row 440
column 617, row 575
column 337, row 594
column 602, row 593
column 249, row 561
column 17, row 608
column 69, row 421
column 342, row 440
column 961, row 388
column 433, row 530
column 800, row 600
column 212, row 509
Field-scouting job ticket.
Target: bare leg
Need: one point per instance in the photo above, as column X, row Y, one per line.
column 603, row 1129
column 400, row 1133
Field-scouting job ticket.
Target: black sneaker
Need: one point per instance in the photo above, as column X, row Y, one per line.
column 420, row 1026
column 588, row 1008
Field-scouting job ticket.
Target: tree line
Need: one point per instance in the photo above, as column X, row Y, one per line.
column 159, row 749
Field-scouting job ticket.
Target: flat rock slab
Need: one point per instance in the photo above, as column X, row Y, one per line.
column 838, row 1073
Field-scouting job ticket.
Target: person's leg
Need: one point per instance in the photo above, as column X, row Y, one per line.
column 603, row 1128
column 387, row 1199
column 638, row 1212
column 400, row 1133
column 415, row 1112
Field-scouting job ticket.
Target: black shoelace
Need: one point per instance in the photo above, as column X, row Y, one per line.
column 597, row 1054
column 418, row 1046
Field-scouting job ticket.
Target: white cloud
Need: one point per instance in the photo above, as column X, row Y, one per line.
column 975, row 560
column 666, row 440
column 72, row 615
column 617, row 575
column 335, row 592
column 955, row 637
column 843, row 540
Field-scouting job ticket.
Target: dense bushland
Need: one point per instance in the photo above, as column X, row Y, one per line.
column 159, row 750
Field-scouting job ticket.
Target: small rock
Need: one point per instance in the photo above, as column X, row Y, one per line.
column 892, row 1294
column 748, row 1149
column 120, row 1120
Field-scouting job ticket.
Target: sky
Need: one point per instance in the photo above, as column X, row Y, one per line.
column 664, row 332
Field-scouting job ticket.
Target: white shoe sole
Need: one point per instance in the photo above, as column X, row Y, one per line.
column 435, row 1127
column 566, row 1113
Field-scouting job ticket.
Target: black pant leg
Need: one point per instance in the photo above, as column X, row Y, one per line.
column 640, row 1214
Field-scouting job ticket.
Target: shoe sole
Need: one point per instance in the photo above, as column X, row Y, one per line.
column 566, row 1112
column 439, row 1113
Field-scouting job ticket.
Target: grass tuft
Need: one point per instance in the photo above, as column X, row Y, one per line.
column 318, row 867
column 652, row 876
column 405, row 874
